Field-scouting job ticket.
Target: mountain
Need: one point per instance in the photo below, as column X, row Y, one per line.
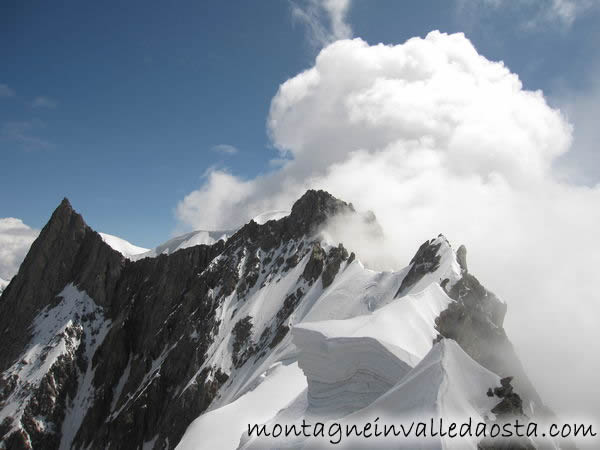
column 186, row 346
column 199, row 237
column 124, row 247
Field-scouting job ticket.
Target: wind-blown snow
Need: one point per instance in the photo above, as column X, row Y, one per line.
column 127, row 249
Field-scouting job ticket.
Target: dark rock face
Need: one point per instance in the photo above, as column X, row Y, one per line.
column 314, row 267
column 162, row 323
column 461, row 256
column 313, row 209
column 506, row 411
column 426, row 260
column 475, row 322
column 335, row 258
column 511, row 404
column 243, row 347
column 66, row 250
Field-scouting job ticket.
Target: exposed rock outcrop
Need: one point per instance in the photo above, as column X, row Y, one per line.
column 475, row 320
column 426, row 260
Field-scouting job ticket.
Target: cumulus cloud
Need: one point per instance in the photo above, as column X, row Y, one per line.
column 325, row 20
column 6, row 91
column 225, row 149
column 44, row 102
column 433, row 137
column 15, row 240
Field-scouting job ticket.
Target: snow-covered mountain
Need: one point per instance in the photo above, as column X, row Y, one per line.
column 199, row 237
column 124, row 247
column 271, row 323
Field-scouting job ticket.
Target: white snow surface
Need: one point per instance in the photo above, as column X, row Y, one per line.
column 199, row 237
column 446, row 384
column 270, row 215
column 126, row 248
column 3, row 284
column 222, row 428
column 349, row 363
column 358, row 350
column 56, row 332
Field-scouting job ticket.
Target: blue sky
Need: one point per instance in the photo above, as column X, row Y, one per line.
column 121, row 106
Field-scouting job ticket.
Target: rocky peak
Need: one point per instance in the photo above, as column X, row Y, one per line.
column 309, row 213
column 314, row 208
column 461, row 257
column 67, row 250
column 426, row 260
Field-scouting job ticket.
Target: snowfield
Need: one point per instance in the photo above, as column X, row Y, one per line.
column 355, row 353
column 57, row 334
column 127, row 249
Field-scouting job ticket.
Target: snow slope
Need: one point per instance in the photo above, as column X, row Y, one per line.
column 222, row 428
column 446, row 384
column 204, row 237
column 407, row 322
column 57, row 334
column 3, row 284
column 199, row 237
column 270, row 215
column 127, row 249
column 349, row 363
column 353, row 342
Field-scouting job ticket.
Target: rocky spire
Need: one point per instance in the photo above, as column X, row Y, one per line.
column 314, row 208
column 67, row 250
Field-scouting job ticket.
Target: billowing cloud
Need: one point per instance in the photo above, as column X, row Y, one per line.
column 325, row 20
column 15, row 240
column 433, row 137
column 225, row 149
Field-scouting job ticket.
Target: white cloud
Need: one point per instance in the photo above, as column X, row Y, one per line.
column 44, row 102
column 535, row 13
column 6, row 91
column 225, row 149
column 325, row 20
column 15, row 240
column 23, row 134
column 433, row 137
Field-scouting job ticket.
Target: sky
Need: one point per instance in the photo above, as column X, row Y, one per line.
column 123, row 108
column 473, row 118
